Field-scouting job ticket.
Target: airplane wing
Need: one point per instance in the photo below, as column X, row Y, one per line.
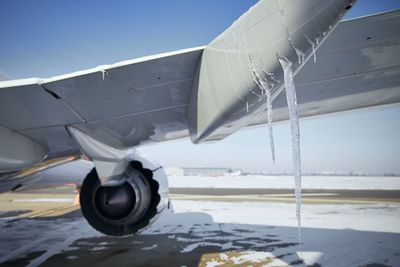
column 206, row 93
column 145, row 100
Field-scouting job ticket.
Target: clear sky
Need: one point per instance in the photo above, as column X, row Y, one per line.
column 45, row 38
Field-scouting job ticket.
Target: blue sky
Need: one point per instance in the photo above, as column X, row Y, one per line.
column 46, row 38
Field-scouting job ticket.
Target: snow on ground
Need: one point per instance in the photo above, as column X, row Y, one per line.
column 333, row 235
column 286, row 182
column 371, row 217
column 243, row 232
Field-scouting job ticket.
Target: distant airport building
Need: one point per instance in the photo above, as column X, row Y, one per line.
column 211, row 171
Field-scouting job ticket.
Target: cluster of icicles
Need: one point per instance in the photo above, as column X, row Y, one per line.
column 266, row 81
column 265, row 85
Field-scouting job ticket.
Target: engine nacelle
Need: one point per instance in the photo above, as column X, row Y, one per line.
column 128, row 206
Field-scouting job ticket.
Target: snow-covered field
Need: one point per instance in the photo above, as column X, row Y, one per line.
column 286, row 182
column 239, row 233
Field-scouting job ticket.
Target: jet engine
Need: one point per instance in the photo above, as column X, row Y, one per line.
column 127, row 205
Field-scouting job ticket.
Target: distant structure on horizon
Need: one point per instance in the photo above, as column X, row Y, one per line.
column 211, row 171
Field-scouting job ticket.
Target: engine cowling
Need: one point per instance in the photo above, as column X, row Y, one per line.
column 128, row 206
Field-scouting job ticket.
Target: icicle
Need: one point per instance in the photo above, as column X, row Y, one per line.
column 313, row 48
column 247, row 107
column 269, row 121
column 266, row 88
column 300, row 55
column 253, row 72
column 103, row 73
column 294, row 123
column 317, row 40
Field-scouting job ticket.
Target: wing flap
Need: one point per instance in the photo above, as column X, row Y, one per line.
column 26, row 105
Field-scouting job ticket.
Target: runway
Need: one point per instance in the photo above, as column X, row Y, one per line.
column 316, row 196
column 207, row 229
